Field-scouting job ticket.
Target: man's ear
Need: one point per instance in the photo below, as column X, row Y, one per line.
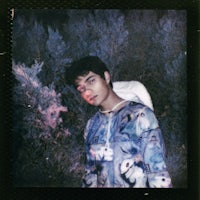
column 107, row 77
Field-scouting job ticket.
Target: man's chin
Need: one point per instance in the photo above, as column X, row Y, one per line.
column 94, row 104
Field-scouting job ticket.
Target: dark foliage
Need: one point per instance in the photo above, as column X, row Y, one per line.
column 144, row 45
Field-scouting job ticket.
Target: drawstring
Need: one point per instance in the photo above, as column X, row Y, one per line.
column 108, row 132
column 108, row 111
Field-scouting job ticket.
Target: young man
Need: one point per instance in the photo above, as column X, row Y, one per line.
column 124, row 144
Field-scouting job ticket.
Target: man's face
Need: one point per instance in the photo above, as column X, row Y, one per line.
column 93, row 89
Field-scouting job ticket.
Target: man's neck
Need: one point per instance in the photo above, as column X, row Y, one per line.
column 110, row 103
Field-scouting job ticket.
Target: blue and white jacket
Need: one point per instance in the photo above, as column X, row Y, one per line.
column 125, row 148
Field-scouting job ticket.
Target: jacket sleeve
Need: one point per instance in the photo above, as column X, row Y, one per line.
column 90, row 174
column 153, row 150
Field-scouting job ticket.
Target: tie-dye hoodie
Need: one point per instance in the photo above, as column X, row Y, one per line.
column 125, row 148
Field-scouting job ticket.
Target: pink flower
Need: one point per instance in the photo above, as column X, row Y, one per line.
column 51, row 115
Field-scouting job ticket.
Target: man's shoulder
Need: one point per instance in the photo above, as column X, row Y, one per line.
column 92, row 124
column 93, row 118
column 137, row 107
column 133, row 103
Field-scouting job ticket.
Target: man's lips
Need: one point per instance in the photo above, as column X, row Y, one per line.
column 92, row 98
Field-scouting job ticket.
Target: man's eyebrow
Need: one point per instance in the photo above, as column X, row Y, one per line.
column 77, row 84
column 89, row 78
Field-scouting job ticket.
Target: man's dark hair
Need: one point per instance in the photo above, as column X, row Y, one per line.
column 83, row 66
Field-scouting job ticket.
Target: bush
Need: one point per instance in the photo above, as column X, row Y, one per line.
column 48, row 155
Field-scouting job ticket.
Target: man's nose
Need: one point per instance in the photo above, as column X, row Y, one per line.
column 88, row 91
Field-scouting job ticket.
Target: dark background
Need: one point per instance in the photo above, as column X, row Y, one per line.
column 8, row 189
column 145, row 45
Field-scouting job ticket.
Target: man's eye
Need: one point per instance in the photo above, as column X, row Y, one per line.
column 81, row 89
column 91, row 81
